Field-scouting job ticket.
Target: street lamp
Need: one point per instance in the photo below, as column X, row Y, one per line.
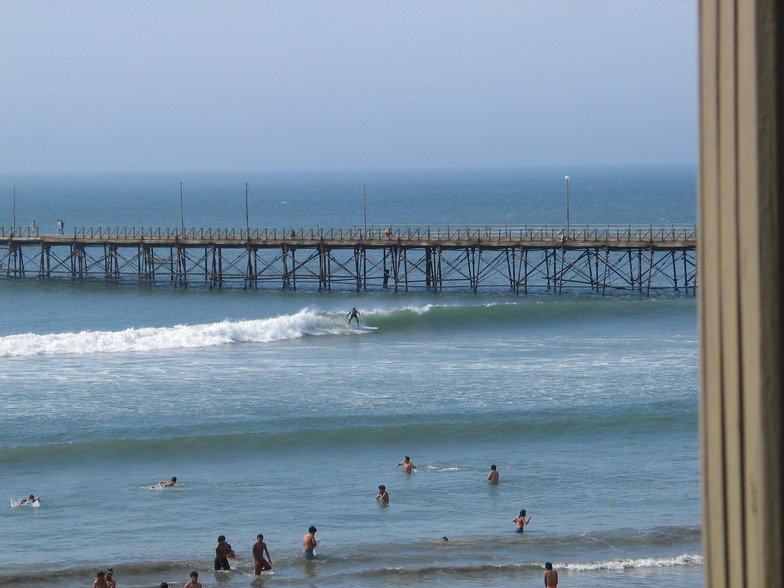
column 568, row 224
column 182, row 217
column 247, row 216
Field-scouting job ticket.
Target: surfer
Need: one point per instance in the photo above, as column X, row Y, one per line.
column 521, row 522
column 172, row 482
column 259, row 549
column 408, row 467
column 492, row 477
column 354, row 314
column 309, row 543
column 550, row 576
column 223, row 552
column 383, row 495
column 29, row 500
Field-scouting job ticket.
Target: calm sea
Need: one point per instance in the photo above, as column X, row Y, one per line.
column 275, row 416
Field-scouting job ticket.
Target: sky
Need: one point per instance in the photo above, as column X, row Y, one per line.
column 233, row 85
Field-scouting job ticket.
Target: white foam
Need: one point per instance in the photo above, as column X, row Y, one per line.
column 305, row 322
column 625, row 564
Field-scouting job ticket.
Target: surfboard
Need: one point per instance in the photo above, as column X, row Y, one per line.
column 363, row 328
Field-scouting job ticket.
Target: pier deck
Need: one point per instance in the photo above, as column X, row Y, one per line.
column 521, row 259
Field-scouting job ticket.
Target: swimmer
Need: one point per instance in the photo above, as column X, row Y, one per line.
column 383, row 495
column 521, row 522
column 223, row 552
column 408, row 467
column 259, row 549
column 172, row 482
column 492, row 477
column 309, row 543
column 194, row 581
column 550, row 576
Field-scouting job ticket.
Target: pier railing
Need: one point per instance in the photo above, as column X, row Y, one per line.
column 410, row 233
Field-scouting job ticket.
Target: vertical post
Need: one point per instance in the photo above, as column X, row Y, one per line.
column 182, row 217
column 568, row 221
column 13, row 227
column 364, row 204
column 247, row 215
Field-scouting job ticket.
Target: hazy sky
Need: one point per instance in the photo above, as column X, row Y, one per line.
column 293, row 84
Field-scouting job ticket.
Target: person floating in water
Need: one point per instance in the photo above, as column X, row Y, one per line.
column 408, row 467
column 354, row 314
column 521, row 522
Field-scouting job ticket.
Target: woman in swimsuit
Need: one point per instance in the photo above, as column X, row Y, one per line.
column 521, row 522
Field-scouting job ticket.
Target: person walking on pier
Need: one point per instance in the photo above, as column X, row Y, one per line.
column 60, row 227
column 354, row 314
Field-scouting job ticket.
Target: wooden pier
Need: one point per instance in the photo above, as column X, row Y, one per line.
column 516, row 259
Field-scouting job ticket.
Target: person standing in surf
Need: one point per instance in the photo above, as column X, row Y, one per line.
column 383, row 495
column 408, row 467
column 353, row 314
column 550, row 576
column 309, row 543
column 520, row 522
column 194, row 581
column 259, row 550
column 493, row 476
column 223, row 552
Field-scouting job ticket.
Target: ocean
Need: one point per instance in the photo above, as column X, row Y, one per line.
column 274, row 415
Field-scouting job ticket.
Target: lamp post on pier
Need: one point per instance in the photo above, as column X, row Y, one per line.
column 247, row 215
column 568, row 223
column 182, row 217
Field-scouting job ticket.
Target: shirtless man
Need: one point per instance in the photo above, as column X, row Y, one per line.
column 110, row 581
column 30, row 498
column 223, row 552
column 408, row 467
column 172, row 482
column 100, row 580
column 194, row 581
column 309, row 543
column 550, row 576
column 383, row 495
column 492, row 477
column 259, row 549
